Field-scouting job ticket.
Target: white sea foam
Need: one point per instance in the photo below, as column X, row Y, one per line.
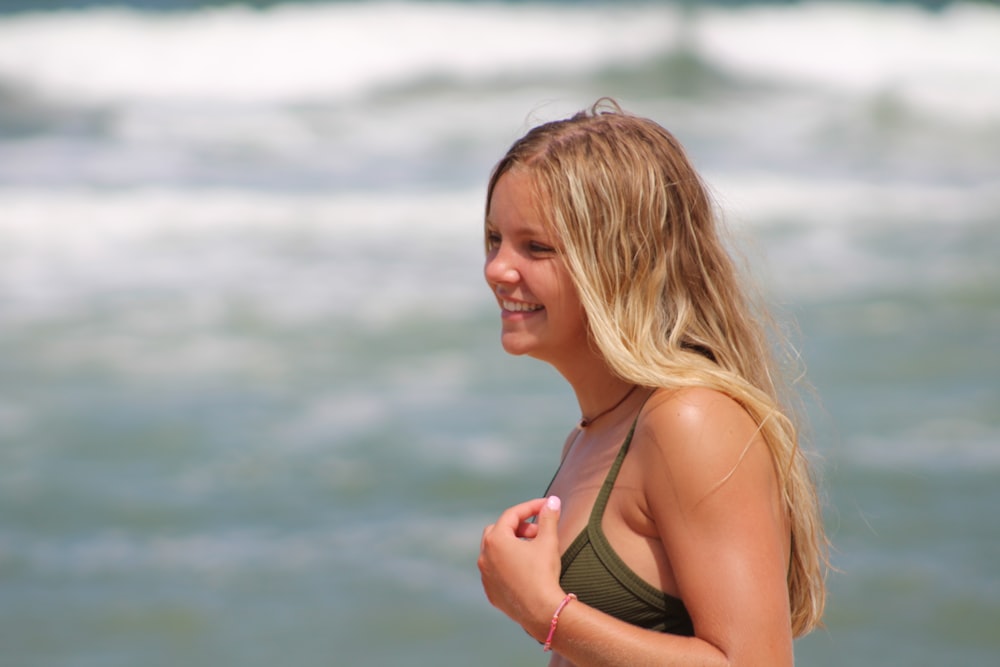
column 759, row 197
column 306, row 52
column 296, row 255
column 946, row 443
column 405, row 551
column 334, row 412
column 828, row 236
column 80, row 224
column 942, row 61
column 380, row 256
column 72, row 217
column 939, row 61
column 116, row 551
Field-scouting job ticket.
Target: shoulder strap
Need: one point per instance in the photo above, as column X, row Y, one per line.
column 597, row 513
column 609, row 481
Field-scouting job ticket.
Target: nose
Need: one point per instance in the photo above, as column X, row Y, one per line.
column 501, row 267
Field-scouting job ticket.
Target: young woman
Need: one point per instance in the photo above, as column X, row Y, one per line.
column 682, row 526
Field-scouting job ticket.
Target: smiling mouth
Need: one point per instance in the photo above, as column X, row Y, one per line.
column 519, row 307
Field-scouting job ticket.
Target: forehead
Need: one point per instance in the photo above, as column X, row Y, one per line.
column 515, row 204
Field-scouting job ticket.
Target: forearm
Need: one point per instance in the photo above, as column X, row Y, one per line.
column 587, row 637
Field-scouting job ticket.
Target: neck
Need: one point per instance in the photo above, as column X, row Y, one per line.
column 587, row 419
column 599, row 393
column 596, row 386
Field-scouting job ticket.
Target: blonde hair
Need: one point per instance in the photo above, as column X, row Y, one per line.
column 664, row 302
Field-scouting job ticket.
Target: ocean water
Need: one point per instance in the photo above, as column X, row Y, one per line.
column 253, row 408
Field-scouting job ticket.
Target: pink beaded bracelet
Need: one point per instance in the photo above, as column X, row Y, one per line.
column 555, row 620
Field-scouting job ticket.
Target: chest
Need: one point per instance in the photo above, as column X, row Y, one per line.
column 585, row 478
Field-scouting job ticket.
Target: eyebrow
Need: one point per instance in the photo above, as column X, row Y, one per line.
column 522, row 229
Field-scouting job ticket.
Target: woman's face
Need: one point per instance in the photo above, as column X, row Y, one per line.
column 541, row 313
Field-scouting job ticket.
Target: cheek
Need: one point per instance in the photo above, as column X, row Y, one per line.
column 579, row 318
column 569, row 304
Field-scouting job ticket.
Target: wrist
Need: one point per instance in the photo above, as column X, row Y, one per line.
column 554, row 623
column 541, row 614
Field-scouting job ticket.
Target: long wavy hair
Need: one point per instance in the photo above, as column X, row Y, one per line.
column 664, row 302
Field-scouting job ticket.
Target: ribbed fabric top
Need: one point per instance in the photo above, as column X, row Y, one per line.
column 597, row 575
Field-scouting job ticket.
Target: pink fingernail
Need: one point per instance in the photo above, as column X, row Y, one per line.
column 553, row 503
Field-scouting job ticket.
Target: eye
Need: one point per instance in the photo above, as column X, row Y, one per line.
column 492, row 239
column 537, row 248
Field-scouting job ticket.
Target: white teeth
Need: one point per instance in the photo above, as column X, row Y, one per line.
column 517, row 306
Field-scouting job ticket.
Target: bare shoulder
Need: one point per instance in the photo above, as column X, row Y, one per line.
column 678, row 420
column 697, row 438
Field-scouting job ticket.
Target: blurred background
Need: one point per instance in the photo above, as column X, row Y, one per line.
column 253, row 408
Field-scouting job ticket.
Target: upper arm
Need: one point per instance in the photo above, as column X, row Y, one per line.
column 713, row 493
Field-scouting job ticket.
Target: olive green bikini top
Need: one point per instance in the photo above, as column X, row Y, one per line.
column 597, row 575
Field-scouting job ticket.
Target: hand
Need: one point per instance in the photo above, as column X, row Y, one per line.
column 519, row 563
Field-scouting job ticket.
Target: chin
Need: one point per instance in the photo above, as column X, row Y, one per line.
column 516, row 350
column 518, row 346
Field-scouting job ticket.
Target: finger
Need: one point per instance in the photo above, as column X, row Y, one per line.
column 527, row 530
column 548, row 517
column 514, row 516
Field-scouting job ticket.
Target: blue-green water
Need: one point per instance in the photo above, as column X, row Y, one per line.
column 253, row 408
